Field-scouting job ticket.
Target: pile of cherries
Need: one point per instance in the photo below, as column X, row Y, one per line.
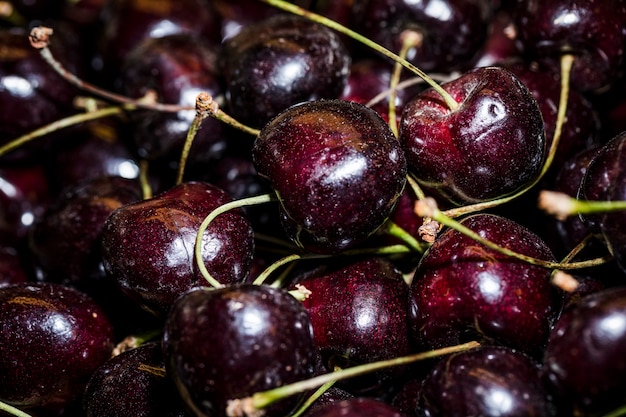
column 317, row 208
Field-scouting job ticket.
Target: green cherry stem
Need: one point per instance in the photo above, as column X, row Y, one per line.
column 205, row 107
column 562, row 206
column 60, row 124
column 410, row 39
column 428, row 208
column 567, row 61
column 260, row 199
column 253, row 405
column 620, row 412
column 297, row 10
column 12, row 410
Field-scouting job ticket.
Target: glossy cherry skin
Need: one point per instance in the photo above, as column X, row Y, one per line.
column 359, row 315
column 585, row 360
column 176, row 68
column 593, row 31
column 338, row 171
column 133, row 383
column 149, row 245
column 279, row 62
column 228, row 343
column 488, row 381
column 52, row 338
column 453, row 31
column 491, row 145
column 464, row 291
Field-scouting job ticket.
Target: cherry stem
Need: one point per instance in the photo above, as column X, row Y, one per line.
column 12, row 410
column 146, row 189
column 410, row 39
column 309, row 401
column 617, row 413
column 253, row 405
column 260, row 199
column 567, row 61
column 262, row 277
column 429, row 209
column 562, row 206
column 205, row 106
column 60, row 124
column 297, row 10
column 394, row 230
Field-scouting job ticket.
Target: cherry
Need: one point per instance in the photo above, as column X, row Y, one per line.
column 452, row 31
column 133, row 383
column 52, row 338
column 359, row 315
column 337, row 169
column 592, row 31
column 228, row 343
column 148, row 245
column 176, row 68
column 98, row 149
column 585, row 359
column 125, row 24
column 487, row 381
column 78, row 215
column 462, row 290
column 492, row 145
column 278, row 62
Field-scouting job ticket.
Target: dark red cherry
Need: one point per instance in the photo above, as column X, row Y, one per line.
column 176, row 68
column 359, row 315
column 149, row 245
column 585, row 360
column 226, row 344
column 489, row 381
column 236, row 15
column 65, row 241
column 133, row 383
column 491, row 145
column 453, row 31
column 52, row 338
column 279, row 62
column 593, row 31
column 125, row 24
column 98, row 149
column 463, row 291
column 337, row 169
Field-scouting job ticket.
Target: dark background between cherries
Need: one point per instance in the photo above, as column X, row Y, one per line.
column 85, row 259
